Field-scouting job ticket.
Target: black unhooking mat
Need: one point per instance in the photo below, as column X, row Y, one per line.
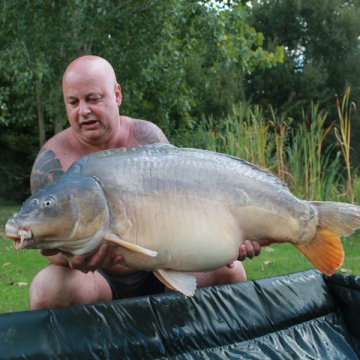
column 297, row 316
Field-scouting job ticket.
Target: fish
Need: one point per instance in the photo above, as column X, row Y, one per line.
column 173, row 210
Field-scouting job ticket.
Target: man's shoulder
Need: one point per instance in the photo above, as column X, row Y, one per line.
column 146, row 132
column 48, row 165
column 59, row 140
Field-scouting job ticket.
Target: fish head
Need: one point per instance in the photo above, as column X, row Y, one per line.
column 70, row 214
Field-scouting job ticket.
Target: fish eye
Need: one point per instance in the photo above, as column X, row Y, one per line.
column 48, row 202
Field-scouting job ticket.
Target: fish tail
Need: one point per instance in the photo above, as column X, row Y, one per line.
column 335, row 219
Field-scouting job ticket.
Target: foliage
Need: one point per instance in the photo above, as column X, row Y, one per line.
column 311, row 171
column 155, row 48
column 297, row 155
column 321, row 40
column 19, row 148
column 148, row 44
column 244, row 133
column 344, row 136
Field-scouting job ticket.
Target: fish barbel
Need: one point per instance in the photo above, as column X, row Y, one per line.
column 174, row 210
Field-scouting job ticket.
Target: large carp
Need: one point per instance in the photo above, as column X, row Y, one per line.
column 173, row 210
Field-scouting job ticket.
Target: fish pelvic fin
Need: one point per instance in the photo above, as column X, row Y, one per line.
column 116, row 240
column 177, row 281
column 335, row 219
column 324, row 251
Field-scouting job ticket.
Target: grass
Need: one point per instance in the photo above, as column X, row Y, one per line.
column 17, row 268
column 285, row 259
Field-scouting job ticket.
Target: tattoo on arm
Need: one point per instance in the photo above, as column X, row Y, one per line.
column 146, row 132
column 46, row 169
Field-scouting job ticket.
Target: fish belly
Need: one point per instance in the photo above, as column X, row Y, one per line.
column 199, row 235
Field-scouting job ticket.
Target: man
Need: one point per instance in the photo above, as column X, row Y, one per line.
column 92, row 98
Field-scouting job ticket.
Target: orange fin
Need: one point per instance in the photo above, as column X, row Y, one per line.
column 324, row 251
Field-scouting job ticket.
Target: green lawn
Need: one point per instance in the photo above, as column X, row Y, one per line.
column 17, row 268
column 285, row 258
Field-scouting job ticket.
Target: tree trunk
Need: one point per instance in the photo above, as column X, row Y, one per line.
column 58, row 124
column 41, row 122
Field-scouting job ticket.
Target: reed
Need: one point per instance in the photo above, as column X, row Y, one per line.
column 312, row 168
column 281, row 126
column 244, row 133
column 343, row 135
column 297, row 155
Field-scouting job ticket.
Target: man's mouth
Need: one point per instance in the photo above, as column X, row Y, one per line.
column 89, row 123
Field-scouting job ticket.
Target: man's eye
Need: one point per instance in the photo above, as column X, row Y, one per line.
column 73, row 103
column 94, row 100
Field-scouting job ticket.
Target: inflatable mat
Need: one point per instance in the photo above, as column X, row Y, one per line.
column 297, row 316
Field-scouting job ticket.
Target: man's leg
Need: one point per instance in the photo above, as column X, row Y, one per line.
column 56, row 286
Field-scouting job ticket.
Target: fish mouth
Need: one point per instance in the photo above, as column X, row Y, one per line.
column 22, row 237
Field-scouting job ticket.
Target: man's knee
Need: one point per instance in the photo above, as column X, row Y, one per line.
column 47, row 288
column 57, row 286
column 240, row 273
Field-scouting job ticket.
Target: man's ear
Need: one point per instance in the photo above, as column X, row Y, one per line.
column 118, row 94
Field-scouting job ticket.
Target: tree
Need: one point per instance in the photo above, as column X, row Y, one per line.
column 321, row 41
column 154, row 46
column 151, row 46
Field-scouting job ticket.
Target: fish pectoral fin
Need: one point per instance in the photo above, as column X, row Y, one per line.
column 116, row 240
column 178, row 281
column 324, row 251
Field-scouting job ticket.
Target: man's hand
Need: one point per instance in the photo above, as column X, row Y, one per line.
column 103, row 257
column 248, row 249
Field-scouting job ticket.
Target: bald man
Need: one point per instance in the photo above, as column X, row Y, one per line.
column 92, row 99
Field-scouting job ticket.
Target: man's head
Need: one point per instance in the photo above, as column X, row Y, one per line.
column 92, row 98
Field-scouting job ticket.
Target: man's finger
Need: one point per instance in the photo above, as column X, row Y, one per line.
column 257, row 248
column 250, row 252
column 242, row 252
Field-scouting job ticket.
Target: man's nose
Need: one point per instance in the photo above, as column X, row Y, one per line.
column 84, row 108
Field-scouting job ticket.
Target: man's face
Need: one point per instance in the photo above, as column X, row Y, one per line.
column 91, row 102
